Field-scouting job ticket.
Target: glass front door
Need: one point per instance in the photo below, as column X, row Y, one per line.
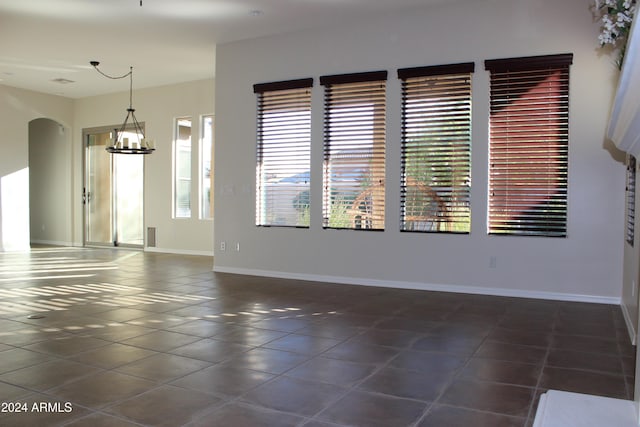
column 113, row 193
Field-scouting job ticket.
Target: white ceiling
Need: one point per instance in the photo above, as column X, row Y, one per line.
column 166, row 41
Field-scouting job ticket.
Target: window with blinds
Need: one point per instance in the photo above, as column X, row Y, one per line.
column 436, row 148
column 631, row 199
column 529, row 145
column 283, row 153
column 354, row 151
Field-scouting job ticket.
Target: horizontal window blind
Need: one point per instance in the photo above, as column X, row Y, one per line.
column 283, row 153
column 354, row 151
column 631, row 199
column 529, row 145
column 436, row 148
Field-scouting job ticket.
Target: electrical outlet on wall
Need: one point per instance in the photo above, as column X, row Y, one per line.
column 223, row 246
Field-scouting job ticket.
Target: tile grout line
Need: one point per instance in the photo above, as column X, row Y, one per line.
column 543, row 365
column 457, row 375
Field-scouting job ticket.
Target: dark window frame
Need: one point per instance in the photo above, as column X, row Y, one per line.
column 283, row 153
column 354, row 151
column 529, row 145
column 436, row 123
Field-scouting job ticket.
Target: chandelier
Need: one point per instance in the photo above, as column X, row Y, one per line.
column 119, row 143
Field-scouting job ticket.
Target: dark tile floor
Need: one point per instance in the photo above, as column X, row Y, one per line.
column 100, row 337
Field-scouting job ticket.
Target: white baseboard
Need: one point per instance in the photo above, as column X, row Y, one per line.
column 146, row 249
column 15, row 249
column 52, row 242
column 631, row 326
column 481, row 290
column 178, row 251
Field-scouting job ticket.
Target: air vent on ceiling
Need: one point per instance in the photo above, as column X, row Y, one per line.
column 63, row 81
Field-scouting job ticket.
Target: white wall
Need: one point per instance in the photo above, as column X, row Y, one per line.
column 587, row 265
column 156, row 108
column 49, row 182
column 18, row 107
column 624, row 130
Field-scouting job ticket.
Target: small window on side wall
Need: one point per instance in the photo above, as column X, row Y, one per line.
column 631, row 199
column 206, row 167
column 182, row 168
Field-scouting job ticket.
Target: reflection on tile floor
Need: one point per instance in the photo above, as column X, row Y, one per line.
column 102, row 337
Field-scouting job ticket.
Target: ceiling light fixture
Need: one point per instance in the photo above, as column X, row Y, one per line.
column 120, row 144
